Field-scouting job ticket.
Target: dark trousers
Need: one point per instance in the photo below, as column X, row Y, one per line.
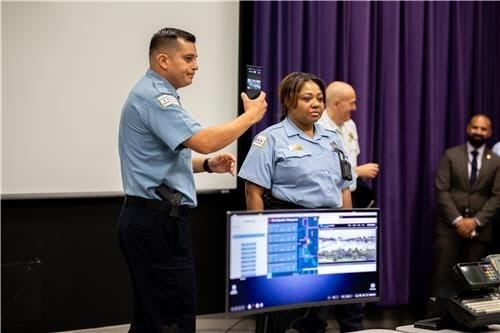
column 449, row 250
column 158, row 251
column 349, row 317
column 310, row 320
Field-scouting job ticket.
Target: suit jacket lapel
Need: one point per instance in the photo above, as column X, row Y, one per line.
column 463, row 161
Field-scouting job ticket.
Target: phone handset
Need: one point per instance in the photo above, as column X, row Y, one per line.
column 495, row 261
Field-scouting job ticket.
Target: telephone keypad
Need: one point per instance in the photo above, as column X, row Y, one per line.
column 490, row 272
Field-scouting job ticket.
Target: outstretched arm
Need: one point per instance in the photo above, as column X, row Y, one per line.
column 211, row 139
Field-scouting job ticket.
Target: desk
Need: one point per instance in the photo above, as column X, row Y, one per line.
column 376, row 331
column 411, row 329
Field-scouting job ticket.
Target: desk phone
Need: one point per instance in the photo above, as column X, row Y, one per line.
column 495, row 261
column 472, row 293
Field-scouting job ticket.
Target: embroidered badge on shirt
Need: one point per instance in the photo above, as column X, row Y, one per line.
column 166, row 99
column 295, row 147
column 259, row 140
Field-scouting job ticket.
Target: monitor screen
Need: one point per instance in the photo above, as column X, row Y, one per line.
column 279, row 259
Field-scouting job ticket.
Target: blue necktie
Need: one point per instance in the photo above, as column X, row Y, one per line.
column 473, row 169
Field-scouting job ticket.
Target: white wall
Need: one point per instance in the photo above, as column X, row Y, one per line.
column 67, row 68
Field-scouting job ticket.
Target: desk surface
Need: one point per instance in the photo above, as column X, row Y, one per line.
column 377, row 331
column 412, row 329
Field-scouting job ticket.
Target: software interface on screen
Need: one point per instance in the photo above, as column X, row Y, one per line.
column 283, row 259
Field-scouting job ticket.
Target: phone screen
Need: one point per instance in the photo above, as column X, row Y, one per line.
column 472, row 274
column 254, row 81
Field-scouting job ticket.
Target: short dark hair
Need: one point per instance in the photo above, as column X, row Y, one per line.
column 166, row 38
column 290, row 87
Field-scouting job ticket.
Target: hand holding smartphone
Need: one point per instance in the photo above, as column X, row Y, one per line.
column 253, row 81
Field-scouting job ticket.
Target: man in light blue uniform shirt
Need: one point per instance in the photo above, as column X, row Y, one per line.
column 157, row 124
column 155, row 142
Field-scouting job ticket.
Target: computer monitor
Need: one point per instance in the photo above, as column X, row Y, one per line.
column 284, row 259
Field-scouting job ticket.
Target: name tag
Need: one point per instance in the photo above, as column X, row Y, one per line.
column 295, row 147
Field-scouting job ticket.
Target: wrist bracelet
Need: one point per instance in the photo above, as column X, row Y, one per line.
column 205, row 165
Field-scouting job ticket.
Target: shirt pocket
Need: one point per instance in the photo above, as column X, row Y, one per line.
column 293, row 164
column 294, row 156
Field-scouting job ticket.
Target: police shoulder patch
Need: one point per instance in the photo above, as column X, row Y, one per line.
column 259, row 140
column 166, row 100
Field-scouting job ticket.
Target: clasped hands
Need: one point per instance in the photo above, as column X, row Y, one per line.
column 465, row 227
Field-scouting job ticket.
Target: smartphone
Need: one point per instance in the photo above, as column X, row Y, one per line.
column 253, row 81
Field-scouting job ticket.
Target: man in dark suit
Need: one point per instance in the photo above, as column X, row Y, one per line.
column 468, row 192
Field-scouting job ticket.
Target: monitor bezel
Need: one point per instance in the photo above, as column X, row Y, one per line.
column 291, row 306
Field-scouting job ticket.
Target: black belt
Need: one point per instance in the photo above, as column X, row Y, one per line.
column 158, row 205
column 271, row 202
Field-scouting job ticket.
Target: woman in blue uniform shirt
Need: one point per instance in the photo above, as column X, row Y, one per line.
column 297, row 163
column 297, row 160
